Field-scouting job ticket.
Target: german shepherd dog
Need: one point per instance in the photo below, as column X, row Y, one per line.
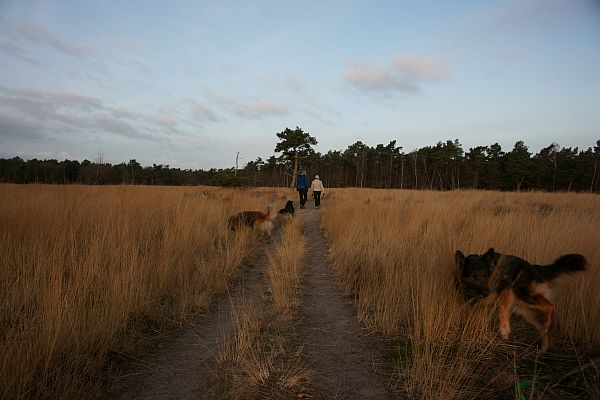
column 522, row 288
column 261, row 222
column 288, row 209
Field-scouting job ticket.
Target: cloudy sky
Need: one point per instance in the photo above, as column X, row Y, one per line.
column 191, row 83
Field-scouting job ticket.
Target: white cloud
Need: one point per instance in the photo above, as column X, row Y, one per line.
column 257, row 109
column 201, row 113
column 103, row 123
column 46, row 106
column 292, row 83
column 17, row 52
column 61, row 119
column 419, row 68
column 369, row 78
column 30, row 113
column 43, row 37
column 405, row 74
column 250, row 108
column 140, row 65
column 165, row 121
column 20, row 127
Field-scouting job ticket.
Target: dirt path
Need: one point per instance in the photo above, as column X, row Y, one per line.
column 344, row 358
column 180, row 368
column 346, row 361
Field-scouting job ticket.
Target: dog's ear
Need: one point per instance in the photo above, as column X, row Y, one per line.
column 489, row 258
column 459, row 259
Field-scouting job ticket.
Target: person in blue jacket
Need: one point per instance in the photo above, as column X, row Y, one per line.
column 302, row 187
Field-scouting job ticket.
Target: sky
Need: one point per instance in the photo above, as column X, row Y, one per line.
column 191, row 83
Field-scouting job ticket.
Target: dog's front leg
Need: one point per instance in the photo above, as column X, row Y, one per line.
column 505, row 309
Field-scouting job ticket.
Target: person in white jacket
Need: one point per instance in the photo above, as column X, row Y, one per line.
column 318, row 189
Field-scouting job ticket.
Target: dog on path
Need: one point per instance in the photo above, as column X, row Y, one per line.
column 522, row 288
column 288, row 209
column 259, row 221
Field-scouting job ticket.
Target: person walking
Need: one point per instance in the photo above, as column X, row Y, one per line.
column 302, row 187
column 318, row 189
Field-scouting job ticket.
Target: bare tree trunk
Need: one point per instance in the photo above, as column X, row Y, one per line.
column 237, row 157
column 433, row 179
column 99, row 160
column 593, row 177
column 391, row 165
column 416, row 179
column 296, row 162
column 554, row 177
column 402, row 173
column 362, row 175
column 453, row 179
column 457, row 179
column 519, row 183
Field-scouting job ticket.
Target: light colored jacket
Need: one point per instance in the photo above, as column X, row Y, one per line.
column 317, row 186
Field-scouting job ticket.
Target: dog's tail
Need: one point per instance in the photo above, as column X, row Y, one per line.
column 566, row 264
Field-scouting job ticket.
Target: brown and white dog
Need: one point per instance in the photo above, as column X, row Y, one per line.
column 259, row 221
column 522, row 288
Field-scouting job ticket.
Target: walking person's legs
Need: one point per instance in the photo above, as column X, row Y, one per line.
column 317, row 199
column 303, row 196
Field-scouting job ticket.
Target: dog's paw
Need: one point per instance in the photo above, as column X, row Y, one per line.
column 504, row 334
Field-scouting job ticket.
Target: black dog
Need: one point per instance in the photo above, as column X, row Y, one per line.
column 521, row 287
column 288, row 209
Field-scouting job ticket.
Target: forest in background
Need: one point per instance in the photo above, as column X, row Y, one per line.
column 444, row 166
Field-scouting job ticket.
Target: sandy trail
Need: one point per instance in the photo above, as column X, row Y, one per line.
column 180, row 368
column 348, row 364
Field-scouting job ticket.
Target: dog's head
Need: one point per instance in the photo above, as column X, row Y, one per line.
column 473, row 273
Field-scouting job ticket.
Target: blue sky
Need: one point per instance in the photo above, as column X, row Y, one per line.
column 191, row 83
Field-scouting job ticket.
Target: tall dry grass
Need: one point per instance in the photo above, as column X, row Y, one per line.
column 261, row 359
column 284, row 266
column 394, row 250
column 84, row 271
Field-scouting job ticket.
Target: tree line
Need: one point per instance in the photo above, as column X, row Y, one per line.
column 444, row 166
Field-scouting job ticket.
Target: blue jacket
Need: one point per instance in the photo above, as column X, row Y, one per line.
column 302, row 182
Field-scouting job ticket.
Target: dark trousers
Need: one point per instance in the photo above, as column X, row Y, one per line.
column 303, row 196
column 317, row 196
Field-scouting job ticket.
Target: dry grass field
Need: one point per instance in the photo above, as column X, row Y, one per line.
column 393, row 252
column 262, row 359
column 87, row 273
